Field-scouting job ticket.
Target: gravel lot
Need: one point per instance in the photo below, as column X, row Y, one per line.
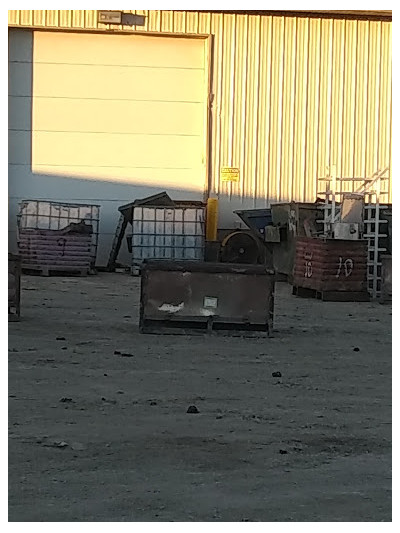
column 96, row 435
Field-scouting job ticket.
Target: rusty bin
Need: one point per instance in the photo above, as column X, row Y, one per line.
column 386, row 288
column 190, row 297
column 331, row 269
column 14, row 287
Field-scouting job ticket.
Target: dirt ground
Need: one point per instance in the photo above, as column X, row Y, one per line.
column 97, row 435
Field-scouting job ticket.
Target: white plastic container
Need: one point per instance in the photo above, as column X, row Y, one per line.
column 167, row 233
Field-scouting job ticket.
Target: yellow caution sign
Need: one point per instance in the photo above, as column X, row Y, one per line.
column 229, row 174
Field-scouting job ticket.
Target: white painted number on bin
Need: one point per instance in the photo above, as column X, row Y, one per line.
column 346, row 266
column 308, row 265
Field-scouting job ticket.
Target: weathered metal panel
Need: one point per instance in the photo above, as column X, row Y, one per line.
column 14, row 287
column 386, row 289
column 197, row 297
column 292, row 96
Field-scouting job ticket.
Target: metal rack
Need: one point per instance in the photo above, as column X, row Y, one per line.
column 372, row 190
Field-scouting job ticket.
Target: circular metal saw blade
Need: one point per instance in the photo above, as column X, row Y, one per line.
column 240, row 247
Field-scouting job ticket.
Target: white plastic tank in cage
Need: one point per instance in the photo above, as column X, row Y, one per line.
column 58, row 237
column 167, row 233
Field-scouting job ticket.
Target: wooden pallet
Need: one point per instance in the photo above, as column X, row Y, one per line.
column 331, row 296
column 55, row 270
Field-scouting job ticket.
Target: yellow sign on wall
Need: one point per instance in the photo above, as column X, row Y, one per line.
column 229, row 174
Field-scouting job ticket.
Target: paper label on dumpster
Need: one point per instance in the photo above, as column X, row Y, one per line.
column 210, row 302
column 229, row 174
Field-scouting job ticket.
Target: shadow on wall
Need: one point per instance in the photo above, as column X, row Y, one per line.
column 24, row 185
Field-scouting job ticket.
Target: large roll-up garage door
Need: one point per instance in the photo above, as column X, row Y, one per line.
column 113, row 117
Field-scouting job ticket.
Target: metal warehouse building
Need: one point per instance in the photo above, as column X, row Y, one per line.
column 163, row 100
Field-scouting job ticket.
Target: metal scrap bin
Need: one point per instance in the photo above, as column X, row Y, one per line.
column 189, row 297
column 386, row 287
column 14, row 287
column 290, row 218
column 335, row 269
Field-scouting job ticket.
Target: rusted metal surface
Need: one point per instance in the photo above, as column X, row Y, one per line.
column 386, row 288
column 14, row 287
column 290, row 218
column 196, row 297
column 330, row 265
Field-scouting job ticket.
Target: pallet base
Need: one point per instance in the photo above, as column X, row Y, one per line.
column 13, row 316
column 183, row 327
column 331, row 296
column 56, row 270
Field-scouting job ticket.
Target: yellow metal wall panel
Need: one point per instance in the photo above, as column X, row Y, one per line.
column 349, row 98
column 78, row 18
column 65, row 18
column 26, row 17
column 385, row 110
column 311, row 141
column 51, row 18
column 217, row 31
column 249, row 188
column 289, row 78
column 179, row 21
column 192, row 23
column 167, row 21
column 371, row 159
column 338, row 61
column 154, row 20
column 13, row 16
column 264, row 87
column 227, row 99
column 239, row 95
column 360, row 133
column 325, row 91
column 39, row 18
column 204, row 23
column 275, row 139
column 290, row 97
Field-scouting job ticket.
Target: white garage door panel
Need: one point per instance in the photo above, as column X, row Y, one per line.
column 139, row 117
column 180, row 179
column 122, row 83
column 114, row 149
column 115, row 117
column 130, row 50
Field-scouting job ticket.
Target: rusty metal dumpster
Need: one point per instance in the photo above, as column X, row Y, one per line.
column 331, row 269
column 14, row 287
column 192, row 297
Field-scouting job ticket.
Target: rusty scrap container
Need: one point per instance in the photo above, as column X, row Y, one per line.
column 335, row 269
column 14, row 287
column 386, row 289
column 290, row 217
column 198, row 297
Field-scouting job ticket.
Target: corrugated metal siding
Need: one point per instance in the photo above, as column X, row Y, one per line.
column 291, row 95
